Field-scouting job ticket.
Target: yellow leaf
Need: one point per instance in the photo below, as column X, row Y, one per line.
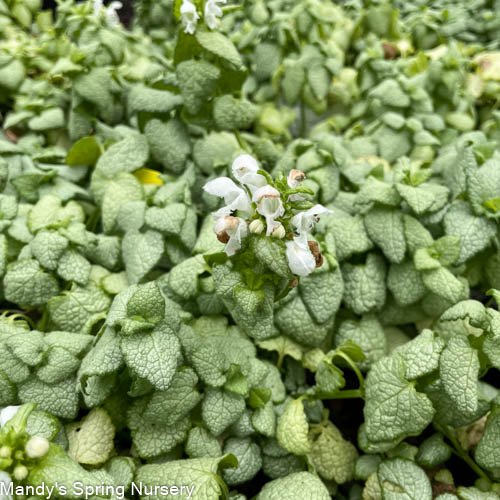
column 148, row 176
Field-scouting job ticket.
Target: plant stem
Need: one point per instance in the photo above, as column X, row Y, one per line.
column 461, row 453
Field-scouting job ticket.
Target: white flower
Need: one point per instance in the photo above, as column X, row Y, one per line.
column 7, row 413
column 269, row 205
column 235, row 197
column 37, row 447
column 300, row 259
column 189, row 16
column 212, row 12
column 5, row 480
column 231, row 230
column 112, row 18
column 97, row 7
column 245, row 169
column 304, row 221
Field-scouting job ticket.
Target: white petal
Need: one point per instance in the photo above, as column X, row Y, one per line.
column 265, row 191
column 235, row 237
column 220, row 186
column 97, row 7
column 244, row 164
column 303, row 222
column 189, row 16
column 300, row 259
column 7, row 413
column 317, row 210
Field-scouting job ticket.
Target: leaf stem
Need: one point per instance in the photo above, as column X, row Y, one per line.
column 356, row 370
column 461, row 453
column 347, row 394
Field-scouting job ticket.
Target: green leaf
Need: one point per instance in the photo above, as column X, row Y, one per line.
column 402, row 479
column 249, row 460
column 60, row 398
column 199, row 477
column 394, row 409
column 487, row 453
column 48, row 247
column 127, row 155
column 295, row 486
column 405, row 283
column 78, row 310
column 390, row 93
column 169, row 142
column 332, row 455
column 141, row 252
column 27, row 284
column 220, row 46
column 177, row 401
column 47, row 119
column 153, row 355
column 365, row 285
column 43, row 424
column 272, row 253
column 150, row 437
column 197, row 81
column 85, row 151
column 445, row 284
column 201, row 444
column 141, row 98
column 124, row 188
column 433, row 452
column 91, row 439
column 292, row 429
column 421, row 354
column 220, row 409
column 459, row 371
column 74, row 267
column 385, row 228
column 368, row 334
column 322, row 294
column 474, row 232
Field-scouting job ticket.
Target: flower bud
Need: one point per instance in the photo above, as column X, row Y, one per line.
column 37, row 447
column 5, row 451
column 256, row 226
column 223, row 225
column 314, row 248
column 279, row 232
column 20, row 473
column 295, row 177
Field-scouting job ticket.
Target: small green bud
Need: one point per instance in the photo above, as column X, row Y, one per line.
column 20, row 473
column 5, row 452
column 37, row 447
column 19, row 455
column 279, row 232
column 256, row 226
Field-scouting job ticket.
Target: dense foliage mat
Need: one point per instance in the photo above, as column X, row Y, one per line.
column 250, row 250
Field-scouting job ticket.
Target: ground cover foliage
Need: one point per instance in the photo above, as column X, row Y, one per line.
column 339, row 337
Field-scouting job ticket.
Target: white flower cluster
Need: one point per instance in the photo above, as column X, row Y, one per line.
column 110, row 14
column 36, row 447
column 303, row 256
column 189, row 15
